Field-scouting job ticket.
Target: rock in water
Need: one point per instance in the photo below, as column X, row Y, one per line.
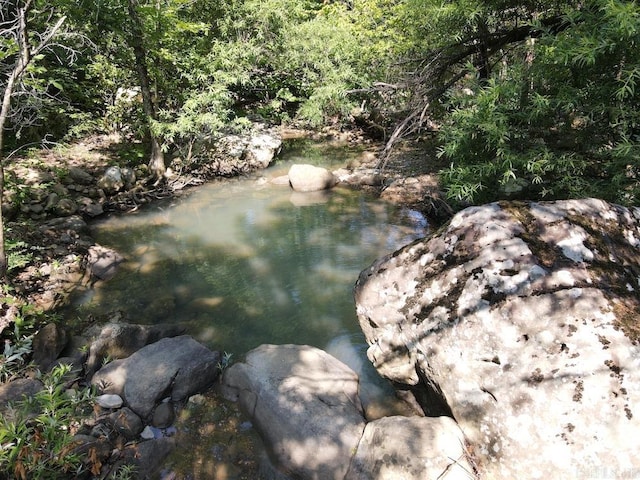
column 309, row 178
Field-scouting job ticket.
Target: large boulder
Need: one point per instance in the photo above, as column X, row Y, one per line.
column 411, row 448
column 232, row 155
column 173, row 368
column 305, row 405
column 522, row 319
column 309, row 178
column 262, row 149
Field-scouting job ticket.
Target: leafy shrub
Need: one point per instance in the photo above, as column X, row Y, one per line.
column 36, row 433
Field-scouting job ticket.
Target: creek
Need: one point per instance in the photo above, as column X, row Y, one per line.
column 243, row 262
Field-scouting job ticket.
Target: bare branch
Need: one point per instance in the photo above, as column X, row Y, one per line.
column 442, row 68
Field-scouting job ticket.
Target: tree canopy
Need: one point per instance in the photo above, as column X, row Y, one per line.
column 532, row 99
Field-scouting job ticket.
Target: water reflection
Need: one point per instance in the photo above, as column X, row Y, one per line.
column 244, row 262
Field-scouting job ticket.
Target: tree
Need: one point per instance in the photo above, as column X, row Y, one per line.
column 561, row 121
column 531, row 99
column 21, row 50
column 136, row 41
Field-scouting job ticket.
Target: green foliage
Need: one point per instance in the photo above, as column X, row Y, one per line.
column 35, row 438
column 224, row 362
column 560, row 121
column 15, row 355
column 18, row 254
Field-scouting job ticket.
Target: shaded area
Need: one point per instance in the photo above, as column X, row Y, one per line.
column 239, row 264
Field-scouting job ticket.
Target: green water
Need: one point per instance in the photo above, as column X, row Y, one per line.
column 244, row 262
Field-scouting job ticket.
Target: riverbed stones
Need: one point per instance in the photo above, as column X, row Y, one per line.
column 522, row 318
column 309, row 178
column 305, row 405
column 176, row 367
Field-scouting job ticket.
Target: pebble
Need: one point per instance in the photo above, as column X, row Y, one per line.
column 109, row 401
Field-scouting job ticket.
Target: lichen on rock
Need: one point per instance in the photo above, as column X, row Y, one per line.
column 523, row 317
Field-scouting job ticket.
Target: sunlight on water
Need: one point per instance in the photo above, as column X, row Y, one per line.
column 239, row 263
column 243, row 262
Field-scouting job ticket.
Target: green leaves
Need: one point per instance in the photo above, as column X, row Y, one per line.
column 35, row 438
column 559, row 120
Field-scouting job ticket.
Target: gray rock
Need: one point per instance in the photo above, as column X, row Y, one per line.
column 309, row 178
column 128, row 176
column 90, row 207
column 109, row 400
column 305, row 405
column 52, row 200
column 78, row 175
column 236, row 154
column 163, row 415
column 118, row 340
column 148, row 456
column 18, row 390
column 127, row 423
column 522, row 319
column 262, row 149
column 177, row 367
column 411, row 448
column 73, row 223
column 111, row 181
column 47, row 345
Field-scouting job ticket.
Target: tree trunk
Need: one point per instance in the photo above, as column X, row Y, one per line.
column 136, row 42
column 26, row 54
column 4, row 113
column 18, row 69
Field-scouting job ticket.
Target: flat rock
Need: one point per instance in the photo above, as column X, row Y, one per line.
column 305, row 405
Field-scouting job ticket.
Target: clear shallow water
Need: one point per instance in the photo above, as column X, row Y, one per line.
column 244, row 262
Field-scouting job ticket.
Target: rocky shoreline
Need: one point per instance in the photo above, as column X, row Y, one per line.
column 61, row 195
column 512, row 329
column 50, row 200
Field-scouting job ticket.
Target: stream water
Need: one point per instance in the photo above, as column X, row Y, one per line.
column 244, row 262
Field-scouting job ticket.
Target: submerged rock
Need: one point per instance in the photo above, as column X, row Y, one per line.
column 522, row 319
